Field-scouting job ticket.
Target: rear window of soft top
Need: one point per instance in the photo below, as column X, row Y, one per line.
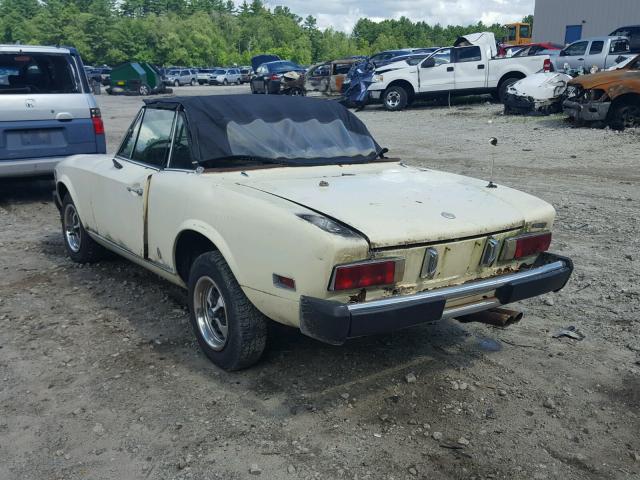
column 37, row 73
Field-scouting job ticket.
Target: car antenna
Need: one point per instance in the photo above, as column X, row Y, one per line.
column 494, row 142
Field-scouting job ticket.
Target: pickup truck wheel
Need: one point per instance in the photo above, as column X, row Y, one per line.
column 395, row 98
column 504, row 86
column 230, row 330
column 625, row 115
column 80, row 247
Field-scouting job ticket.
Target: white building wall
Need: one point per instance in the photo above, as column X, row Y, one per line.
column 598, row 17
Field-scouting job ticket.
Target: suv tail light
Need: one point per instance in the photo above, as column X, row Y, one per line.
column 96, row 119
column 366, row 274
column 275, row 76
column 547, row 66
column 526, row 246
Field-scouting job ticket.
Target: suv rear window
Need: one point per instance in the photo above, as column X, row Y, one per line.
column 37, row 73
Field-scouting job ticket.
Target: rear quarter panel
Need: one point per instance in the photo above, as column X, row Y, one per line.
column 258, row 235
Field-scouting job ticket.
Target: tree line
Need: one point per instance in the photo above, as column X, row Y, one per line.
column 205, row 32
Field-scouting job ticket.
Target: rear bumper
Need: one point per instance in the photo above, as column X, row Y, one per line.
column 333, row 322
column 29, row 167
column 587, row 112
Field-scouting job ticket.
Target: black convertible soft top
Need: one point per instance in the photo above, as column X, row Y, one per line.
column 286, row 129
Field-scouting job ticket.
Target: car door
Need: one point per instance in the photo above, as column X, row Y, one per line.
column 122, row 186
column 470, row 69
column 574, row 54
column 594, row 55
column 437, row 72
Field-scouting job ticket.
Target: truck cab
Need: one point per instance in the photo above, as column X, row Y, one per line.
column 599, row 52
column 469, row 67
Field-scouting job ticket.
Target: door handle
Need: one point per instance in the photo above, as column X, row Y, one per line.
column 449, row 69
column 581, row 59
column 480, row 67
column 137, row 190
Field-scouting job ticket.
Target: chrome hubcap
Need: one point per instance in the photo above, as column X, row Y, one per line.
column 211, row 313
column 393, row 99
column 72, row 228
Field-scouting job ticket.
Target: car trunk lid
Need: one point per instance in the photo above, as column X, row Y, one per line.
column 402, row 206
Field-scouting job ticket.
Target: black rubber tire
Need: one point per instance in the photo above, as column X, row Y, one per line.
column 247, row 325
column 144, row 90
column 225, row 82
column 617, row 118
column 90, row 251
column 403, row 100
column 504, row 86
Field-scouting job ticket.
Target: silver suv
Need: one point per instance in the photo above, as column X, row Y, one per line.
column 47, row 110
column 181, row 76
column 225, row 76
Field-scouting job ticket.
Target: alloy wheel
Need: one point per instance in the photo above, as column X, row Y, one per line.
column 211, row 313
column 72, row 228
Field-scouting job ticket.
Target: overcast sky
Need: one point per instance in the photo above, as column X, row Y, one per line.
column 342, row 14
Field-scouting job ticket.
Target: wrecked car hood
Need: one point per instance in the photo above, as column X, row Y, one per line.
column 541, row 86
column 394, row 205
column 603, row 79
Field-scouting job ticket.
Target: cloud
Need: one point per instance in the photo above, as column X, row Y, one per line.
column 343, row 14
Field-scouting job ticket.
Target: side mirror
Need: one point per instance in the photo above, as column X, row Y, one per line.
column 429, row 63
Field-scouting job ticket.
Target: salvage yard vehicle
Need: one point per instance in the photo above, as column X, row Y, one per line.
column 286, row 208
column 269, row 76
column 632, row 33
column 592, row 53
column 469, row 67
column 606, row 98
column 182, row 76
column 226, row 76
column 328, row 78
column 47, row 110
column 541, row 93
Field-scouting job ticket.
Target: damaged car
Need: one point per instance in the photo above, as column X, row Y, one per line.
column 287, row 209
column 540, row 93
column 606, row 98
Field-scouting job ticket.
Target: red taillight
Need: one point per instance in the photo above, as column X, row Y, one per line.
column 349, row 277
column 546, row 66
column 275, row 76
column 96, row 119
column 531, row 244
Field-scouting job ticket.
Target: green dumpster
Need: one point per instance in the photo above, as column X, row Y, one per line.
column 136, row 78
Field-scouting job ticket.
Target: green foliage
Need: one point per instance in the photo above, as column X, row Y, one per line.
column 205, row 32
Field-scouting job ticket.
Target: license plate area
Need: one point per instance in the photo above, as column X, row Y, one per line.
column 34, row 138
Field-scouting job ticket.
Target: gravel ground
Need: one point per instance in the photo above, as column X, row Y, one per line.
column 100, row 375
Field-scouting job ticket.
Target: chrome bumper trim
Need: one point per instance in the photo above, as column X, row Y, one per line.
column 465, row 290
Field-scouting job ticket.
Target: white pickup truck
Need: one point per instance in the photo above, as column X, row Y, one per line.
column 467, row 68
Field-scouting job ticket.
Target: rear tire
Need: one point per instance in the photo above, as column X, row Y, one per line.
column 80, row 247
column 144, row 90
column 395, row 98
column 231, row 332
